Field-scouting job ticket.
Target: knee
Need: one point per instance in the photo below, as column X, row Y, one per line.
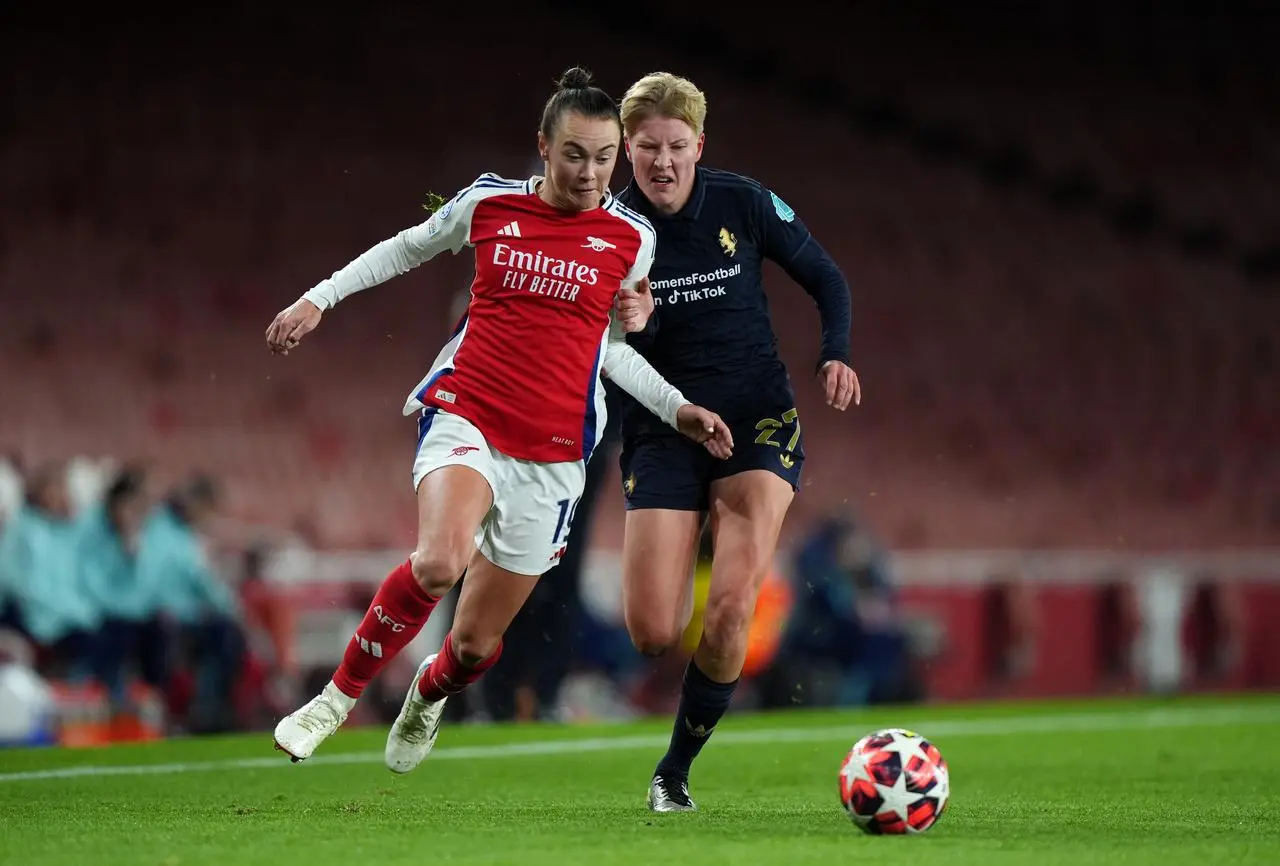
column 732, row 604
column 651, row 638
column 471, row 645
column 727, row 618
column 439, row 566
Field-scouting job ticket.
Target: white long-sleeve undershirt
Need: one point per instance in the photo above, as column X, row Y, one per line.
column 633, row 374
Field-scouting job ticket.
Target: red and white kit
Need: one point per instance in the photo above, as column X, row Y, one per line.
column 516, row 393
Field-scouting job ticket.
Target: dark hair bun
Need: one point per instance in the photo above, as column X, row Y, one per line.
column 576, row 78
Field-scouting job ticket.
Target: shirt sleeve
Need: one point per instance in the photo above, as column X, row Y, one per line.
column 786, row 240
column 633, row 374
column 449, row 228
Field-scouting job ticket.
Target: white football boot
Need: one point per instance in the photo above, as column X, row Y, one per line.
column 416, row 728
column 300, row 732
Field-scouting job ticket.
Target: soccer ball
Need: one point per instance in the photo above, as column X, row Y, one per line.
column 894, row 782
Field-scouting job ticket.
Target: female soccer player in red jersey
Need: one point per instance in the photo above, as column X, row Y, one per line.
column 510, row 411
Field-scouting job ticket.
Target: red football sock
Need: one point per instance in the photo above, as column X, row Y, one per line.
column 398, row 612
column 448, row 676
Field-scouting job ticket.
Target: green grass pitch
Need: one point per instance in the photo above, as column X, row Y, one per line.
column 1179, row 781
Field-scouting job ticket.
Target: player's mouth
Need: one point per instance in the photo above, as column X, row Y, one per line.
column 663, row 181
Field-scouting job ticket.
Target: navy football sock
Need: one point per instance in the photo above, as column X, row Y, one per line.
column 702, row 703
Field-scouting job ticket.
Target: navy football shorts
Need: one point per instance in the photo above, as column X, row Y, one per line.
column 671, row 471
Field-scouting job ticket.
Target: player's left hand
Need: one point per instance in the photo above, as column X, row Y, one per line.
column 841, row 385
column 707, row 428
column 635, row 306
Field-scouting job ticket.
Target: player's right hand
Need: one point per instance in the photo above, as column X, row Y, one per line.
column 292, row 324
column 706, row 427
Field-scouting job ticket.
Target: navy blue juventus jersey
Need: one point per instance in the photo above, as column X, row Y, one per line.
column 710, row 334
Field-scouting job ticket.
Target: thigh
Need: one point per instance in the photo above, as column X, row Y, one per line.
column 533, row 510
column 665, row 480
column 771, row 443
column 747, row 512
column 454, row 475
column 659, row 551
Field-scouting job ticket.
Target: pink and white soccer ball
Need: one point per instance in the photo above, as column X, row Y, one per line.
column 894, row 782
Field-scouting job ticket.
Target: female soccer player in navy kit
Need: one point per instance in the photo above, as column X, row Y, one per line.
column 711, row 336
column 509, row 413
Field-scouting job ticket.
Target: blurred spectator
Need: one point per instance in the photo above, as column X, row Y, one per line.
column 173, row 563
column 38, row 575
column 845, row 643
column 133, row 635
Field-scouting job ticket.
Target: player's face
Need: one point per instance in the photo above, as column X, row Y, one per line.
column 663, row 152
column 580, row 160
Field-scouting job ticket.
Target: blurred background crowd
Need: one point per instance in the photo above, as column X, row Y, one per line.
column 1057, row 219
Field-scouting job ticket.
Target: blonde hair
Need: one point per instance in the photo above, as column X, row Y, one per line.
column 661, row 94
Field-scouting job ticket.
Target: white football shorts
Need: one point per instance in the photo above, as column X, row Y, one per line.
column 527, row 530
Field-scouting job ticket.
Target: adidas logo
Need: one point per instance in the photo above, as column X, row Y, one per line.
column 701, row 731
column 511, row 229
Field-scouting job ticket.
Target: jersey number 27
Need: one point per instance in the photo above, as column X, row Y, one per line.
column 769, row 426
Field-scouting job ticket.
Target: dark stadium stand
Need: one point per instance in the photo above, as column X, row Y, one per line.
column 1033, row 376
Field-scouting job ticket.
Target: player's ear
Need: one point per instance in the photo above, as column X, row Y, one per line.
column 544, row 147
column 626, row 145
column 697, row 153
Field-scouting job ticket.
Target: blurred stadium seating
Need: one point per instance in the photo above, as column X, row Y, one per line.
column 1034, row 376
